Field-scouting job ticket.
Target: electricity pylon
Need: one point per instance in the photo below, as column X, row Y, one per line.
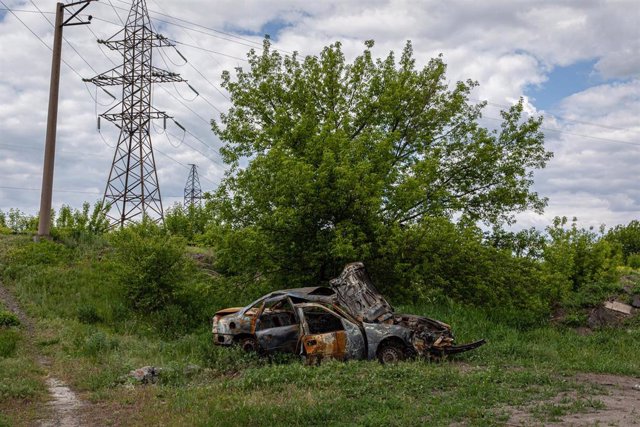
column 132, row 188
column 192, row 190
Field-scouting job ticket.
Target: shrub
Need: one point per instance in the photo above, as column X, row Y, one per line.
column 88, row 314
column 73, row 226
column 633, row 260
column 628, row 237
column 437, row 258
column 152, row 265
column 8, row 319
column 18, row 222
column 186, row 221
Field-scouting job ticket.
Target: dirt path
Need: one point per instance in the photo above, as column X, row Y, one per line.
column 64, row 403
column 621, row 401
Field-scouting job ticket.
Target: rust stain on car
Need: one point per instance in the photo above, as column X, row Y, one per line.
column 348, row 320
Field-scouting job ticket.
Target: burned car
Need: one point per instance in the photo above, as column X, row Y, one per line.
column 349, row 320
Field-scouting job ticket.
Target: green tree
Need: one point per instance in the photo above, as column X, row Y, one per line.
column 186, row 221
column 628, row 237
column 343, row 156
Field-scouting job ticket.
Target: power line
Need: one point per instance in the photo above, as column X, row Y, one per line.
column 25, row 11
column 564, row 119
column 209, row 50
column 64, row 38
column 117, row 14
column 257, row 44
column 40, row 38
column 617, row 141
column 55, row 191
column 66, row 191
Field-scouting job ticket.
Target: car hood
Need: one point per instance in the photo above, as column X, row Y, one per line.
column 230, row 310
column 356, row 293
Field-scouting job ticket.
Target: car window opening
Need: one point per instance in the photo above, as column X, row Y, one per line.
column 322, row 322
column 276, row 314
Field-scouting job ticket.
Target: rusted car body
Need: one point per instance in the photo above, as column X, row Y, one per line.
column 350, row 320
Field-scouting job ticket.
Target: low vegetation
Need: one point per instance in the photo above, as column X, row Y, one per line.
column 329, row 162
column 96, row 320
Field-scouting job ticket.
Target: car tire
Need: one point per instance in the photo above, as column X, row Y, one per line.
column 248, row 344
column 391, row 353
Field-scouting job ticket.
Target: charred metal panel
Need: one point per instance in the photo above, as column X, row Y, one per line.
column 283, row 338
column 356, row 293
column 378, row 332
column 356, row 344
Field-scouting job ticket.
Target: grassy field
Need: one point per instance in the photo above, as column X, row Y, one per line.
column 84, row 328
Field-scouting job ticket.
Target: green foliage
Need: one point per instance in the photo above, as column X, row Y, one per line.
column 4, row 229
column 33, row 255
column 8, row 319
column 438, row 258
column 73, row 225
column 9, row 340
column 96, row 344
column 576, row 257
column 628, row 237
column 152, row 265
column 88, row 314
column 342, row 155
column 633, row 261
column 16, row 221
column 186, row 221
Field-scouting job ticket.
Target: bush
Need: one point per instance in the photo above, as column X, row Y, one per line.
column 34, row 256
column 8, row 319
column 633, row 261
column 628, row 237
column 88, row 314
column 152, row 265
column 578, row 256
column 186, row 221
column 437, row 258
column 16, row 221
column 73, row 226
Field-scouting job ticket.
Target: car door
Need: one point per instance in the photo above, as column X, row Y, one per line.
column 277, row 328
column 327, row 335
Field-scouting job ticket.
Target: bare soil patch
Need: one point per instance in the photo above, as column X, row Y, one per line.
column 620, row 403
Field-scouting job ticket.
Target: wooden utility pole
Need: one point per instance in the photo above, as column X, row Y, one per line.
column 44, row 225
column 52, row 125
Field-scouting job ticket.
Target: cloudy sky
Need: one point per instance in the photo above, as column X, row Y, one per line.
column 575, row 62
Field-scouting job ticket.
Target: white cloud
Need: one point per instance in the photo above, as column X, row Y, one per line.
column 506, row 45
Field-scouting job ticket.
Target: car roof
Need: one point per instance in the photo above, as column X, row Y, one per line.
column 311, row 293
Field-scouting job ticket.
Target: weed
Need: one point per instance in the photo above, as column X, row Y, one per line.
column 8, row 319
column 8, row 342
column 88, row 314
column 98, row 344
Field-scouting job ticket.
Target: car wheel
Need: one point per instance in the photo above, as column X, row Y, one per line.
column 249, row 344
column 391, row 353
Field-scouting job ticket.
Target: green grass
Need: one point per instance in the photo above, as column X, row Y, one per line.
column 21, row 380
column 84, row 325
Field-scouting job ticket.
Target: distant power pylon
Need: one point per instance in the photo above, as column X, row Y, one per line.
column 132, row 188
column 192, row 190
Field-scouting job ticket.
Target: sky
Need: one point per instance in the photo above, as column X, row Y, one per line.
column 577, row 63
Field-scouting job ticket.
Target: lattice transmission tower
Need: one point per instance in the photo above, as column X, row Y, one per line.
column 192, row 190
column 132, row 187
